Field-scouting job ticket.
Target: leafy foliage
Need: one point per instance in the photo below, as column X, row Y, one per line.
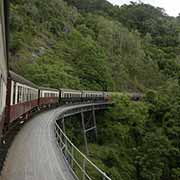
column 93, row 45
column 140, row 140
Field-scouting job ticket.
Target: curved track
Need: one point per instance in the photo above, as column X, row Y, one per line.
column 34, row 154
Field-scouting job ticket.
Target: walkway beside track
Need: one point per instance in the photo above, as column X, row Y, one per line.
column 34, row 154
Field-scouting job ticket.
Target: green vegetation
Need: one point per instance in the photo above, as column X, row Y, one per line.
column 136, row 140
column 140, row 140
column 91, row 44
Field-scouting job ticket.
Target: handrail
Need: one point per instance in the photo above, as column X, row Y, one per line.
column 70, row 152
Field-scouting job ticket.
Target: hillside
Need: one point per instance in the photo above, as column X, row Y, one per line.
column 94, row 45
column 91, row 44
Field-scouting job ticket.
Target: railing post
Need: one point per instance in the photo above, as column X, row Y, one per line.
column 72, row 156
column 60, row 138
column 65, row 140
column 84, row 169
column 94, row 120
column 55, row 129
column 84, row 133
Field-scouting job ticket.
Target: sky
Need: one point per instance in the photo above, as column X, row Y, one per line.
column 172, row 7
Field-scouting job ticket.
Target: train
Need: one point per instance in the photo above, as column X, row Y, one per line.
column 24, row 98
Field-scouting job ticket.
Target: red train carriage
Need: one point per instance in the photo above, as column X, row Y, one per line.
column 48, row 96
column 3, row 64
column 22, row 97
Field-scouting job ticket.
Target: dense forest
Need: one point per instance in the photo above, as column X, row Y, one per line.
column 136, row 140
column 91, row 44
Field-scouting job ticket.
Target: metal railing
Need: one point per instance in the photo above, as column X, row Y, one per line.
column 81, row 167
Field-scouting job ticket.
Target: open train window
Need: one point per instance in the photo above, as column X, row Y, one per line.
column 23, row 93
column 19, row 94
column 27, row 95
column 30, row 95
column 14, row 92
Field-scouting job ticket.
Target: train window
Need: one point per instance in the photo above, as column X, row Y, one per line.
column 27, row 95
column 23, row 94
column 33, row 95
column 30, row 95
column 19, row 96
column 14, row 93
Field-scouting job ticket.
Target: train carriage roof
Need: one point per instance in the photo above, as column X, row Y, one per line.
column 21, row 80
column 94, row 92
column 48, row 89
column 71, row 90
